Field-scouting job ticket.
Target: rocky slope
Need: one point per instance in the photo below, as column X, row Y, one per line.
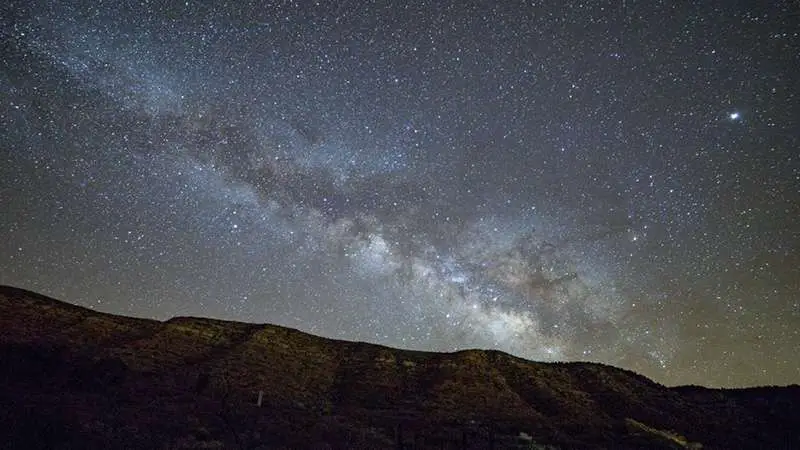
column 74, row 378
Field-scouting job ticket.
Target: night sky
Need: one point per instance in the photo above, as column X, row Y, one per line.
column 612, row 182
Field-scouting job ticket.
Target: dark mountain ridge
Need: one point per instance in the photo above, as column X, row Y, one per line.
column 75, row 378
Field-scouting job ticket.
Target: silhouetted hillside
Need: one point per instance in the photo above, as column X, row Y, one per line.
column 75, row 378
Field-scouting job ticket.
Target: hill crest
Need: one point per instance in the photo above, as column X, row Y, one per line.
column 98, row 380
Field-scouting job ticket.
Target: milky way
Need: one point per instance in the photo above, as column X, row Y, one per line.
column 609, row 182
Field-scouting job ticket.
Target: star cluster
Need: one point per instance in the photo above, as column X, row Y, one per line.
column 612, row 182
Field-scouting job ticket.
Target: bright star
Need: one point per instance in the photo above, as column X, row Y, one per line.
column 734, row 115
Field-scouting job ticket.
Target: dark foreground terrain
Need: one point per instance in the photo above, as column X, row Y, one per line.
column 74, row 378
